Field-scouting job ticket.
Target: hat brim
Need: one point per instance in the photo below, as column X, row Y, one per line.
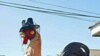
column 29, row 27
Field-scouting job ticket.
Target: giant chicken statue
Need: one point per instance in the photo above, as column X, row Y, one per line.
column 29, row 32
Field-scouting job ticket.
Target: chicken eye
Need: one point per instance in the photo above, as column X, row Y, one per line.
column 32, row 32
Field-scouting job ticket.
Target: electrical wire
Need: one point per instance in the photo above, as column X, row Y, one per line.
column 35, row 7
column 56, row 11
column 48, row 12
column 65, row 7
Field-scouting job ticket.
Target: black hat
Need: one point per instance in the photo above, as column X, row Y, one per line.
column 28, row 25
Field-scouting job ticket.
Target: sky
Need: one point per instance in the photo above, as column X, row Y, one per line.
column 56, row 31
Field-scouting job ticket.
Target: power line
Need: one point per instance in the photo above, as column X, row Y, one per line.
column 60, row 12
column 56, row 11
column 65, row 7
column 48, row 12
